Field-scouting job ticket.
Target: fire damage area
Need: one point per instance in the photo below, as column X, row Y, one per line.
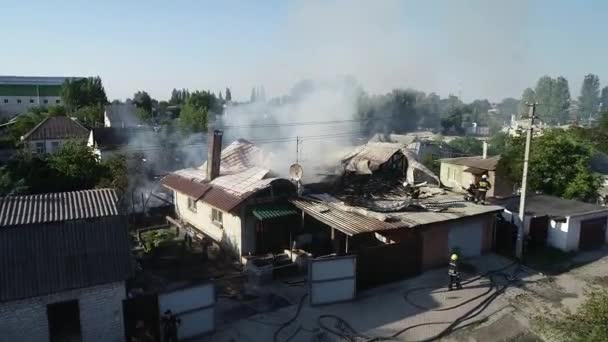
column 255, row 236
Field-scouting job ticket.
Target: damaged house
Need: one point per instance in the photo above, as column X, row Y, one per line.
column 234, row 200
column 389, row 209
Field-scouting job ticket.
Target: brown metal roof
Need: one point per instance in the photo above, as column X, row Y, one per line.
column 347, row 222
column 185, row 186
column 221, row 199
column 478, row 162
column 57, row 127
column 54, row 207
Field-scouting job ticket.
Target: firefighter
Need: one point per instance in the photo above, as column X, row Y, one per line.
column 471, row 195
column 453, row 273
column 482, row 188
column 170, row 323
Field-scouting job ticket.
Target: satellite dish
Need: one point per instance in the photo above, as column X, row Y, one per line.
column 296, row 172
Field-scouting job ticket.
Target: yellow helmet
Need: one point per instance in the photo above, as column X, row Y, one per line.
column 454, row 257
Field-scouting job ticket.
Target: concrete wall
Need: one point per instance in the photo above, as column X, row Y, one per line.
column 574, row 229
column 100, row 308
column 229, row 234
column 454, row 176
column 12, row 107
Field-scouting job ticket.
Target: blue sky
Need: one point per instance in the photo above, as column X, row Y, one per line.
column 482, row 49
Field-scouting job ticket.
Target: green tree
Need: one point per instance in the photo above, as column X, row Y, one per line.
column 143, row 102
column 498, row 143
column 528, row 96
column 9, row 185
column 544, row 95
column 560, row 100
column 590, row 96
column 77, row 166
column 588, row 324
column 193, row 118
column 604, row 100
column 508, row 107
column 559, row 165
column 228, row 95
column 85, row 92
column 467, row 145
column 90, row 115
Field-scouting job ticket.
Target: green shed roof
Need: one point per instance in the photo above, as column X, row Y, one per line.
column 272, row 211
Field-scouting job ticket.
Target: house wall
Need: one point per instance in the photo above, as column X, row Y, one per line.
column 49, row 148
column 229, row 235
column 101, row 317
column 454, row 176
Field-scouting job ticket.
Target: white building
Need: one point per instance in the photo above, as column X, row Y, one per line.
column 565, row 224
column 52, row 132
column 228, row 207
column 65, row 257
column 19, row 93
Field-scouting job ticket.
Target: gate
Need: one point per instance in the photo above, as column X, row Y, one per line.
column 506, row 236
column 539, row 229
column 194, row 306
column 332, row 279
column 141, row 310
column 388, row 263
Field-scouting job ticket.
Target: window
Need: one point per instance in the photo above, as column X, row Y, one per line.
column 18, row 100
column 46, row 101
column 5, row 100
column 57, row 101
column 217, row 216
column 191, row 205
column 31, row 100
column 64, row 321
column 55, row 145
column 40, row 148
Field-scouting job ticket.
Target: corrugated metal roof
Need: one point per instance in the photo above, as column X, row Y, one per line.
column 347, row 222
column 57, row 127
column 186, row 186
column 63, row 206
column 271, row 211
column 477, row 162
column 367, row 158
column 550, row 205
column 221, row 199
column 34, row 80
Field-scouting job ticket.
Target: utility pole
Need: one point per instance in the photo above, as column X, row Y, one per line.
column 297, row 149
column 519, row 247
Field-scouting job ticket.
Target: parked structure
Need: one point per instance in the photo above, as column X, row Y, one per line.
column 565, row 224
column 458, row 173
column 232, row 199
column 52, row 132
column 19, row 93
column 65, row 258
column 121, row 115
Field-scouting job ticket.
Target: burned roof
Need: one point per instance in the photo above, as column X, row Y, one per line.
column 111, row 138
column 540, row 205
column 478, row 162
column 57, row 127
column 54, row 207
column 240, row 177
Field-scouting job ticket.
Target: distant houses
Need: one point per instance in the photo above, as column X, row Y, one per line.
column 52, row 132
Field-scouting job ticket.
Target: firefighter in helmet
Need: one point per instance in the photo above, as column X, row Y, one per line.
column 453, row 273
column 482, row 188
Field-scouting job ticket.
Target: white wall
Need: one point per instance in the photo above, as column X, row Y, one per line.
column 454, row 176
column 100, row 307
column 12, row 107
column 228, row 235
column 575, row 228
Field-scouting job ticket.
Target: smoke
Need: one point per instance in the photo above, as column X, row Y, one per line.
column 320, row 113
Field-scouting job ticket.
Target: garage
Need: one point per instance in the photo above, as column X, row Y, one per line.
column 465, row 237
column 593, row 234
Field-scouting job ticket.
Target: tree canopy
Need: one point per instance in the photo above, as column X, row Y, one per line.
column 468, row 145
column 559, row 165
column 193, row 118
column 85, row 98
column 590, row 96
column 144, row 103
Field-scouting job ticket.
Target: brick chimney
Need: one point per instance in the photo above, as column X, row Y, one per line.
column 214, row 154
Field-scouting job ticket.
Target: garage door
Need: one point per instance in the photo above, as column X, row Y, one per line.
column 466, row 237
column 593, row 234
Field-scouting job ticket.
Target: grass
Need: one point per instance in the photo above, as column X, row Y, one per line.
column 156, row 238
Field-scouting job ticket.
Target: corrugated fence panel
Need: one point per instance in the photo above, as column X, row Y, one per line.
column 332, row 279
column 195, row 306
